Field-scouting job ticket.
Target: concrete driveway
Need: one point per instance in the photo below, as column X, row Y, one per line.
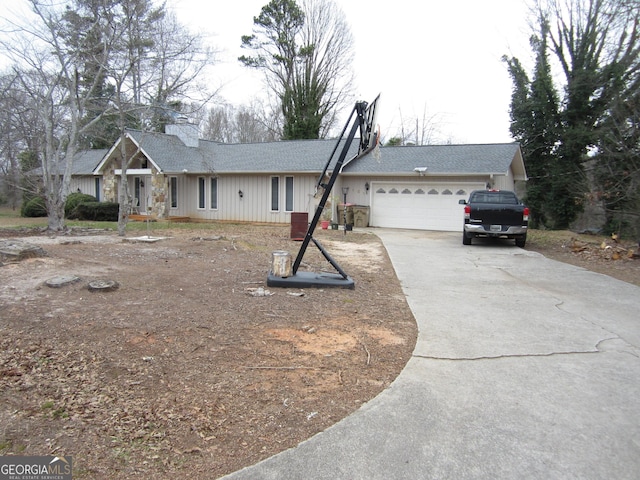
column 524, row 368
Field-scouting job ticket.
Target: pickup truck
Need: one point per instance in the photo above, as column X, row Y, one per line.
column 495, row 213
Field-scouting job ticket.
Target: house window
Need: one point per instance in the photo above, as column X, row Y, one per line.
column 275, row 194
column 288, row 195
column 201, row 192
column 214, row 193
column 136, row 189
column 173, row 191
column 97, row 184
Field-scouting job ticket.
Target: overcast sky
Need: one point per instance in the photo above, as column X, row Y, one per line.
column 442, row 56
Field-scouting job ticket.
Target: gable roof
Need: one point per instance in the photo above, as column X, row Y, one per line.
column 86, row 161
column 442, row 160
column 172, row 156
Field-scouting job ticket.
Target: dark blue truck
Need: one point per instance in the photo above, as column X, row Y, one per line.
column 495, row 213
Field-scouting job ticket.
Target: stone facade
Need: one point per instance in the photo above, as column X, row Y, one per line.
column 110, row 183
column 159, row 197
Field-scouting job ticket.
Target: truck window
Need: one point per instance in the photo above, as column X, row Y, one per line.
column 503, row 198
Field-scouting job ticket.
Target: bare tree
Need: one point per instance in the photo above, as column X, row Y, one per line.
column 418, row 130
column 243, row 124
column 156, row 75
column 46, row 71
column 121, row 60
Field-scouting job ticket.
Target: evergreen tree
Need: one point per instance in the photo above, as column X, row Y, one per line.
column 305, row 54
column 535, row 124
column 595, row 42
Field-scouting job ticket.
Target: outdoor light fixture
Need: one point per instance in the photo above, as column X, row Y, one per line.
column 240, row 193
column 420, row 170
column 366, row 186
column 142, row 183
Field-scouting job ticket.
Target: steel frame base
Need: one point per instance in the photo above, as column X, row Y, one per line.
column 311, row 280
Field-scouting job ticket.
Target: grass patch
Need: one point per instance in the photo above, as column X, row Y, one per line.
column 555, row 238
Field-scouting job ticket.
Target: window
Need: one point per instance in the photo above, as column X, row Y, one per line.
column 173, row 191
column 136, row 189
column 201, row 192
column 214, row 193
column 288, row 195
column 275, row 198
column 97, row 183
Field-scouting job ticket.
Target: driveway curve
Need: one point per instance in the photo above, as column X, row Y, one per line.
column 524, row 368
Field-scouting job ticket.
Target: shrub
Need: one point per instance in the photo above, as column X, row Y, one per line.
column 34, row 208
column 97, row 211
column 73, row 200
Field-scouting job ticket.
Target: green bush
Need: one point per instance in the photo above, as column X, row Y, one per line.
column 97, row 211
column 34, row 208
column 73, row 200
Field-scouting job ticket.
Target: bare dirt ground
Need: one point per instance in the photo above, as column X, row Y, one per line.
column 190, row 368
column 617, row 258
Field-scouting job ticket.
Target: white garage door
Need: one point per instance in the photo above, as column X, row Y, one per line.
column 419, row 206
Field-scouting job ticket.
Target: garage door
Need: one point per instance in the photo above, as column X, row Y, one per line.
column 419, row 206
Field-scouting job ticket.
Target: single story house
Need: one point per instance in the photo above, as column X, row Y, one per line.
column 414, row 187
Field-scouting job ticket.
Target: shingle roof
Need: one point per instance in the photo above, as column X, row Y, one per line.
column 173, row 156
column 439, row 159
column 85, row 162
column 170, row 154
column 284, row 156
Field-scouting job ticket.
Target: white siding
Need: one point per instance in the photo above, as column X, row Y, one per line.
column 86, row 184
column 253, row 206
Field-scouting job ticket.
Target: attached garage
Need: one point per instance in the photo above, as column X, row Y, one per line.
column 419, row 187
column 421, row 206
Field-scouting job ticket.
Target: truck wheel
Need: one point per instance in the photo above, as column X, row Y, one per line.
column 466, row 239
column 521, row 241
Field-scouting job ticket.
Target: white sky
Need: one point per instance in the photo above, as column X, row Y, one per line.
column 442, row 56
column 438, row 56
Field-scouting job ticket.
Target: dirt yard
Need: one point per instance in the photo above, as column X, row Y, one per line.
column 193, row 367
